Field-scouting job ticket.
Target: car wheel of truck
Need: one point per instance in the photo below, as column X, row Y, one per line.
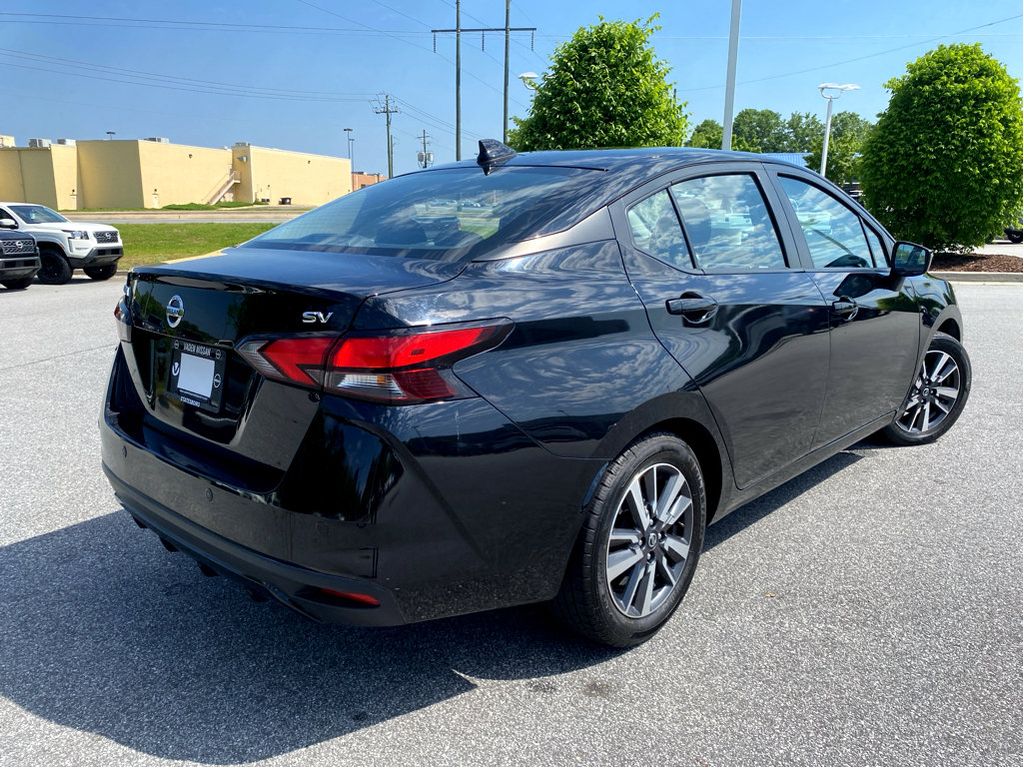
column 17, row 285
column 105, row 272
column 641, row 539
column 55, row 269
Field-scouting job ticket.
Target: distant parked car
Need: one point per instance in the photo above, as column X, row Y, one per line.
column 1014, row 234
column 19, row 259
column 64, row 245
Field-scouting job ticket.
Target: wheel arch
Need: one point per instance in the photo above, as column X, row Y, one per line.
column 687, row 416
column 950, row 327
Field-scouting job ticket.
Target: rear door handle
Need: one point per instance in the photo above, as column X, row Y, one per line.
column 693, row 306
column 845, row 308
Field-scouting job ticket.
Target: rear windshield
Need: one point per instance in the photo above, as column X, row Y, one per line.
column 444, row 214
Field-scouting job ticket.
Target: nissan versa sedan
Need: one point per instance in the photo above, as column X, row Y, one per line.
column 386, row 410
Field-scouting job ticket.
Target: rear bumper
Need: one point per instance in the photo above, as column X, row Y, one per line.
column 290, row 584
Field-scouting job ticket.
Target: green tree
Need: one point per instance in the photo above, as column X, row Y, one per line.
column 707, row 134
column 845, row 145
column 803, row 132
column 605, row 88
column 943, row 165
column 758, row 130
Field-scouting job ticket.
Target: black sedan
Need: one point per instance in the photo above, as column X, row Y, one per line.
column 386, row 411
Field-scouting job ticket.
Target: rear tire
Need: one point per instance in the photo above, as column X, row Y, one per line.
column 626, row 578
column 17, row 285
column 105, row 272
column 937, row 395
column 55, row 269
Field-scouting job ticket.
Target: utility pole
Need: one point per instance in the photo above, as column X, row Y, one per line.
column 424, row 157
column 730, row 77
column 387, row 109
column 504, row 112
column 458, row 30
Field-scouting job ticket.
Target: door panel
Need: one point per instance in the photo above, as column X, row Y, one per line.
column 875, row 324
column 756, row 342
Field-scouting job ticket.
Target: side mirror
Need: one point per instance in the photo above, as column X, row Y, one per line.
column 8, row 224
column 910, row 259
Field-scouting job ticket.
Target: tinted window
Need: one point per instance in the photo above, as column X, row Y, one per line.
column 728, row 224
column 443, row 214
column 833, row 232
column 656, row 230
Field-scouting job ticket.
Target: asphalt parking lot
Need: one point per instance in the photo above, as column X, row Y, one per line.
column 869, row 611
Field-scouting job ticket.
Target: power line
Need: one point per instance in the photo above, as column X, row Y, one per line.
column 856, row 58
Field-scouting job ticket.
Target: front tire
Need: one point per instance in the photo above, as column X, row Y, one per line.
column 639, row 546
column 937, row 396
column 105, row 272
column 55, row 269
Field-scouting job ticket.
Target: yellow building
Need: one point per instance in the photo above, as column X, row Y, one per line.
column 152, row 173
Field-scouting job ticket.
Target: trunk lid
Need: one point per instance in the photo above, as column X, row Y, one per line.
column 198, row 311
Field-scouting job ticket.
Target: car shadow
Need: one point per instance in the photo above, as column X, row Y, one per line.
column 102, row 631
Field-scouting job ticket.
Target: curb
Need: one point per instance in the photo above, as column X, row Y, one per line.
column 980, row 277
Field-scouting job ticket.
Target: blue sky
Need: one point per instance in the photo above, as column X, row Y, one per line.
column 191, row 73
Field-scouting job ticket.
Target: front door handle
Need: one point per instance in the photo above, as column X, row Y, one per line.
column 693, row 306
column 845, row 308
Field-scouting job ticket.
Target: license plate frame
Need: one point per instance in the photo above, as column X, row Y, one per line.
column 192, row 379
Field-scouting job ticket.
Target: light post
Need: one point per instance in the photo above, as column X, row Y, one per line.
column 351, row 141
column 730, row 74
column 529, row 80
column 830, row 92
column 111, row 134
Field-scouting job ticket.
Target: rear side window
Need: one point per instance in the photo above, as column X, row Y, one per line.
column 442, row 214
column 656, row 231
column 728, row 224
column 834, row 235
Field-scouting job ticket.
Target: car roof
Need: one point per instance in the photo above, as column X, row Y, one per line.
column 636, row 160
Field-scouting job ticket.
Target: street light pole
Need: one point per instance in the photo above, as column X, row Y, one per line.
column 730, row 76
column 830, row 92
column 351, row 141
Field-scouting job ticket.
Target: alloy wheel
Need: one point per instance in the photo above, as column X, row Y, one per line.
column 649, row 541
column 933, row 395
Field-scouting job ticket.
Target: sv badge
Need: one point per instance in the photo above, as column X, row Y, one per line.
column 316, row 317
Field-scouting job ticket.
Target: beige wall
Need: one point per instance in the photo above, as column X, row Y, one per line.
column 109, row 175
column 306, row 179
column 149, row 174
column 64, row 164
column 10, row 176
column 27, row 175
column 176, row 173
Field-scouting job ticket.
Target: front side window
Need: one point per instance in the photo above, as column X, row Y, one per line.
column 877, row 247
column 728, row 224
column 37, row 214
column 834, row 235
column 656, row 231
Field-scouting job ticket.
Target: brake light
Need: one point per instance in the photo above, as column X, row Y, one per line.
column 399, row 366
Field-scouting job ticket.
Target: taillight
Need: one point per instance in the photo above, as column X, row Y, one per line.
column 398, row 366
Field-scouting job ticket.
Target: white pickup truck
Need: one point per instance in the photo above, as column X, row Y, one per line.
column 65, row 246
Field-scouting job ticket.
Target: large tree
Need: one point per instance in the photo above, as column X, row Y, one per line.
column 707, row 134
column 803, row 132
column 758, row 130
column 845, row 145
column 943, row 165
column 605, row 88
